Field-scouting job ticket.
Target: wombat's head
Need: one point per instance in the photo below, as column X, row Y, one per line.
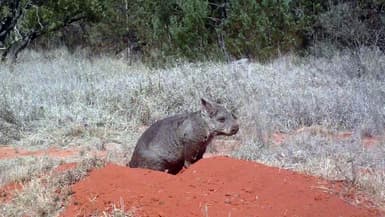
column 220, row 120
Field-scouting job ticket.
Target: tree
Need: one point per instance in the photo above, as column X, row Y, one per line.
column 22, row 21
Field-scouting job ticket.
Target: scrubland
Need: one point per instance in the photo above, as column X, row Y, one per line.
column 57, row 98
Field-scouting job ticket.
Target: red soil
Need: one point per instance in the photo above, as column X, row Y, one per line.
column 368, row 141
column 11, row 152
column 7, row 191
column 66, row 166
column 216, row 186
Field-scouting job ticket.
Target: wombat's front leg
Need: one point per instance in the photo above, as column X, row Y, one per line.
column 192, row 154
column 186, row 164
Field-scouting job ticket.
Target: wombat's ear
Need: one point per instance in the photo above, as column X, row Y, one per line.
column 209, row 107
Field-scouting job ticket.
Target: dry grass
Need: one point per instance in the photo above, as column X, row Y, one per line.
column 46, row 195
column 23, row 169
column 322, row 154
column 66, row 92
column 119, row 211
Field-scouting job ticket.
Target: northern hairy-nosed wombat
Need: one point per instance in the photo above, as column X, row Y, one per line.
column 178, row 141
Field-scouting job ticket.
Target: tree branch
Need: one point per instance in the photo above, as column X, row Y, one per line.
column 16, row 47
column 9, row 22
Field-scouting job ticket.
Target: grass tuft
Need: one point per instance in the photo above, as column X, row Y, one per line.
column 47, row 195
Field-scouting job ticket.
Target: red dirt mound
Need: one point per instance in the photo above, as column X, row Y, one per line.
column 216, row 186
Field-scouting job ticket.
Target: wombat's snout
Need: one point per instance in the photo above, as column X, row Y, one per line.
column 234, row 128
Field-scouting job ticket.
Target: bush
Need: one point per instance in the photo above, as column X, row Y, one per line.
column 261, row 29
column 353, row 24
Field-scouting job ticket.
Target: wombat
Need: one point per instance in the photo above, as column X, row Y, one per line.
column 179, row 141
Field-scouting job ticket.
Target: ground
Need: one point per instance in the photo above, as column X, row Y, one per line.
column 214, row 186
column 217, row 186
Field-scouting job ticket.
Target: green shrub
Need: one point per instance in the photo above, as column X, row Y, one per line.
column 188, row 31
column 261, row 28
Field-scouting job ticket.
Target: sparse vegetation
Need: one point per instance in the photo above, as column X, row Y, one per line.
column 24, row 168
column 352, row 24
column 323, row 155
column 91, row 102
column 9, row 128
column 46, row 195
column 78, row 96
column 119, row 211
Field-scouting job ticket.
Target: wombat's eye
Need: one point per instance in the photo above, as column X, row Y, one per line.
column 221, row 119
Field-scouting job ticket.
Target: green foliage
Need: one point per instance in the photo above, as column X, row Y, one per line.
column 201, row 29
column 55, row 13
column 188, row 31
column 5, row 11
column 175, row 27
column 306, row 12
column 261, row 28
column 196, row 28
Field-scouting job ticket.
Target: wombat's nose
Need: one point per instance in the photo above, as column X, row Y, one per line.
column 235, row 129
